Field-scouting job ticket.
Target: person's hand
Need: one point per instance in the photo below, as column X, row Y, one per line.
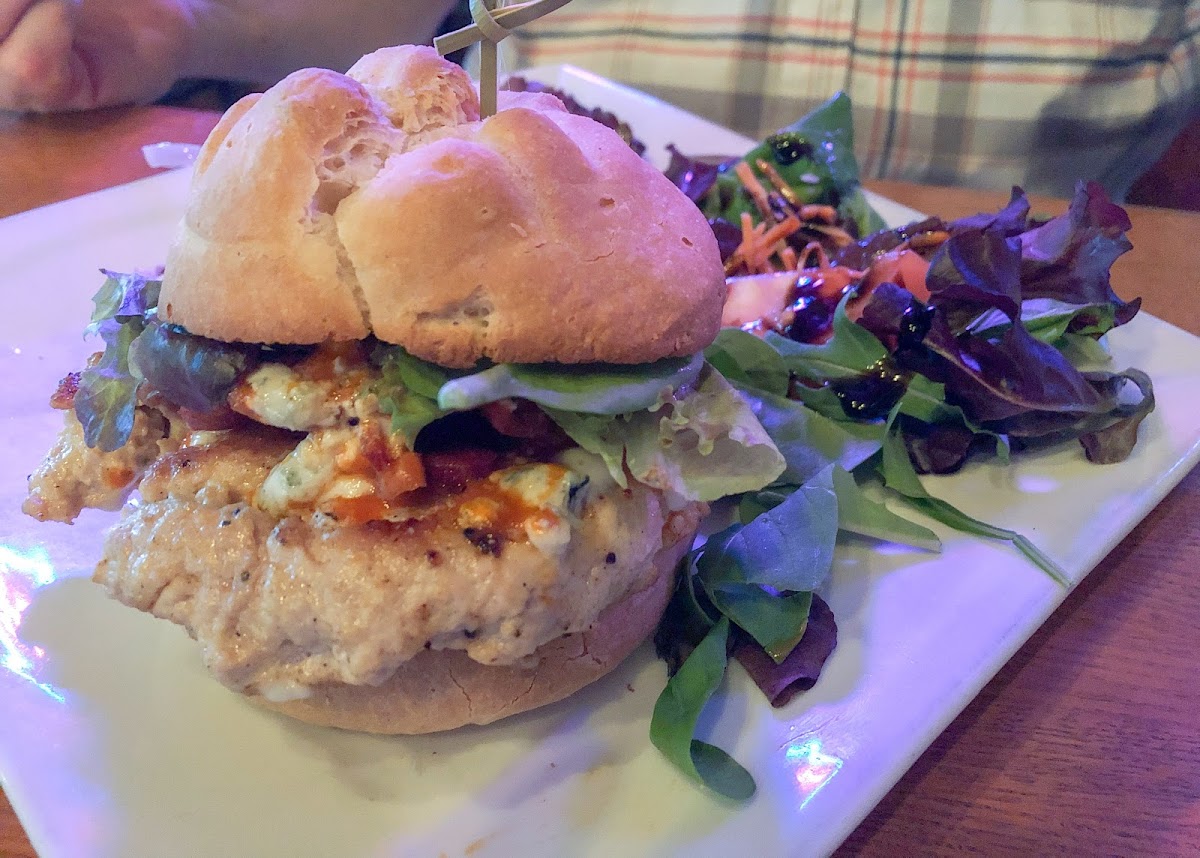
column 73, row 55
column 79, row 54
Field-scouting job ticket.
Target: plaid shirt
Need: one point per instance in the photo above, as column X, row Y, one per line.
column 986, row 94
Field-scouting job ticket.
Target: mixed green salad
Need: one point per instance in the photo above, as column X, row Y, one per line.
column 895, row 352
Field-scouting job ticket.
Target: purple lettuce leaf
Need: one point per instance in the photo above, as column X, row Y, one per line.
column 1011, row 220
column 973, row 271
column 123, row 297
column 190, row 371
column 801, row 669
column 1115, row 442
column 598, row 114
column 1069, row 257
column 694, row 176
column 1012, row 383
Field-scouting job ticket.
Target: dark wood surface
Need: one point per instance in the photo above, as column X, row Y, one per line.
column 1086, row 743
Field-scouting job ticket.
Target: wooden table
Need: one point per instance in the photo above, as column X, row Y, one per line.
column 1086, row 743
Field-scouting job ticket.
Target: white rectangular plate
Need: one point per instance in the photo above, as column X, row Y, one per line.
column 113, row 741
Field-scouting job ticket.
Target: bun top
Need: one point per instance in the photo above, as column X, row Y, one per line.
column 336, row 206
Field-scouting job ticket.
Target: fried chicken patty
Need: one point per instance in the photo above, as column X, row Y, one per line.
column 280, row 605
column 74, row 476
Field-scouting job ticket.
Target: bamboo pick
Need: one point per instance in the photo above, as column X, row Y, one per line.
column 509, row 17
column 490, row 27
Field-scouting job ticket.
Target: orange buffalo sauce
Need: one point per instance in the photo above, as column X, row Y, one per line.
column 487, row 505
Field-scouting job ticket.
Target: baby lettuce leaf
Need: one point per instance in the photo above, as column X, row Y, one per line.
column 107, row 395
column 745, row 359
column 673, row 725
column 694, row 176
column 898, row 474
column 124, row 297
column 1115, row 442
column 190, row 371
column 1069, row 258
column 607, row 389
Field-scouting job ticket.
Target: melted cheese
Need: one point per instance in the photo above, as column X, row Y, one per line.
column 322, row 391
column 329, row 475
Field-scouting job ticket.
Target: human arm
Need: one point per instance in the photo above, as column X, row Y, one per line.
column 79, row 54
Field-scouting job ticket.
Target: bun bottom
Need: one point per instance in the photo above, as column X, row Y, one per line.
column 444, row 689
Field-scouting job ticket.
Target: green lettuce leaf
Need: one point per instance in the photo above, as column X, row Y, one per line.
column 404, row 389
column 421, row 377
column 703, row 446
column 607, row 389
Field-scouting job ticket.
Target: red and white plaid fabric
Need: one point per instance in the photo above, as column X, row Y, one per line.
column 987, row 94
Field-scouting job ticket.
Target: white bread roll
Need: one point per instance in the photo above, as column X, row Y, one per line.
column 336, row 206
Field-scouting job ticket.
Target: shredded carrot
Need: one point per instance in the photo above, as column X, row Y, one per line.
column 825, row 214
column 781, row 230
column 785, row 190
column 759, row 244
column 788, row 257
column 754, row 187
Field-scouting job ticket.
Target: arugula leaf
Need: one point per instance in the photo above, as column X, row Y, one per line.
column 810, row 441
column 799, row 671
column 788, row 548
column 607, row 389
column 678, row 710
column 776, row 621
